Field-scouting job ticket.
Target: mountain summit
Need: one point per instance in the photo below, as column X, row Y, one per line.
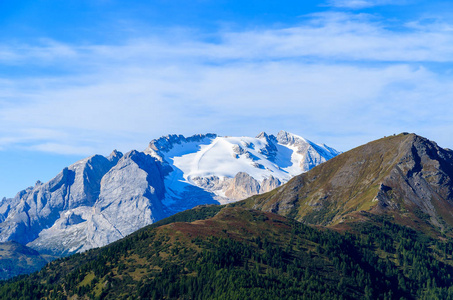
column 406, row 176
column 100, row 199
column 233, row 168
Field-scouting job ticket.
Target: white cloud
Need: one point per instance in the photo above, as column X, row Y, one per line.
column 334, row 74
column 360, row 4
column 333, row 36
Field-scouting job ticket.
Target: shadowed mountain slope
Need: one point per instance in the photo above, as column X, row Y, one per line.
column 16, row 259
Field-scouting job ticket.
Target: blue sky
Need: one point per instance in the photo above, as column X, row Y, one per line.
column 83, row 77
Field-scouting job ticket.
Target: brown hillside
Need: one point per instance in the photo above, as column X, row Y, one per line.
column 405, row 176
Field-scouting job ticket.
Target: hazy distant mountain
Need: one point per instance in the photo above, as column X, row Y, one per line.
column 101, row 199
column 16, row 259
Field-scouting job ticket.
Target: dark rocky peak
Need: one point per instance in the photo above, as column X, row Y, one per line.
column 269, row 138
column 115, row 156
column 200, row 137
column 166, row 143
column 271, row 149
column 420, row 154
column 424, row 163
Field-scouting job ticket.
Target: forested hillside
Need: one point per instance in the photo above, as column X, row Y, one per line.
column 235, row 253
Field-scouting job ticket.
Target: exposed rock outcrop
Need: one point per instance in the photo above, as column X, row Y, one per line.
column 38, row 208
column 241, row 186
column 100, row 199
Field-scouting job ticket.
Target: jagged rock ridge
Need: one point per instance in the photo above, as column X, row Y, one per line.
column 100, row 199
column 216, row 164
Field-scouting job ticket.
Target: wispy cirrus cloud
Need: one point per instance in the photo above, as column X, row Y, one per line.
column 327, row 36
column 360, row 4
column 331, row 74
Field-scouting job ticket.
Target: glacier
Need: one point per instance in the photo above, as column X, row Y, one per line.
column 99, row 200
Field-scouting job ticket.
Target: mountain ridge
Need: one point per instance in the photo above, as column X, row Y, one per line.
column 374, row 238
column 98, row 200
column 404, row 175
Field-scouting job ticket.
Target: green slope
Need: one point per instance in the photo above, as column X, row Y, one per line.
column 247, row 254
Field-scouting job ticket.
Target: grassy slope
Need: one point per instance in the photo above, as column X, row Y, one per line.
column 245, row 254
column 341, row 190
column 345, row 184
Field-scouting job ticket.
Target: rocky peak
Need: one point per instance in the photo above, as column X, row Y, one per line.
column 115, row 156
column 100, row 199
column 166, row 143
column 270, row 150
column 38, row 207
column 287, row 138
column 313, row 154
column 130, row 154
column 269, row 184
column 406, row 176
column 267, row 137
column 262, row 135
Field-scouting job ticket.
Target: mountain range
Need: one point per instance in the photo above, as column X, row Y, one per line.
column 99, row 200
column 371, row 223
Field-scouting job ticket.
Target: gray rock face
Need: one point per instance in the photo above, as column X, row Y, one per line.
column 131, row 193
column 99, row 200
column 129, row 198
column 269, row 184
column 35, row 209
column 242, row 186
column 421, row 180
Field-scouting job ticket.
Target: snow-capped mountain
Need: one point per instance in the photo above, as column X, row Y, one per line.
column 233, row 168
column 101, row 199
